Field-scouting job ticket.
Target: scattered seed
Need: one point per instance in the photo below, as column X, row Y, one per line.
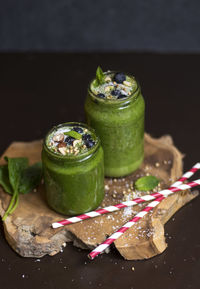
column 106, row 187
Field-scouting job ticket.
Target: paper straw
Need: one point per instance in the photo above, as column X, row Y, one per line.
column 122, row 205
column 139, row 216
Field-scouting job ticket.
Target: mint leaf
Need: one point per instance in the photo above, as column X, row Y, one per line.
column 74, row 134
column 16, row 166
column 95, row 83
column 4, row 179
column 30, row 178
column 17, row 177
column 147, row 183
column 99, row 75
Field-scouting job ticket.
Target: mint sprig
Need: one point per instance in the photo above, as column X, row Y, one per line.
column 147, row 183
column 16, row 177
column 4, row 179
column 73, row 134
column 99, row 77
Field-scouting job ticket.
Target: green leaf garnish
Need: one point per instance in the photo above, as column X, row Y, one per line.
column 74, row 134
column 16, row 166
column 99, row 75
column 30, row 178
column 147, row 183
column 16, row 177
column 4, row 179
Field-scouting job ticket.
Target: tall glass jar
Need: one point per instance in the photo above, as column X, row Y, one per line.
column 120, row 125
column 74, row 183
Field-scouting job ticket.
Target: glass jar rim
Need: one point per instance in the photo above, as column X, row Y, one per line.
column 81, row 156
column 117, row 102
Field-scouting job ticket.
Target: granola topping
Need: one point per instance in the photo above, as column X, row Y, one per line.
column 114, row 86
column 69, row 140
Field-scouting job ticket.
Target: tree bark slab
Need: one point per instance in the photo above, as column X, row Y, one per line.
column 28, row 230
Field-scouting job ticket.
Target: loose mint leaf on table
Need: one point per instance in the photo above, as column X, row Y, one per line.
column 147, row 183
column 16, row 166
column 4, row 179
column 99, row 75
column 30, row 178
column 16, row 177
column 74, row 134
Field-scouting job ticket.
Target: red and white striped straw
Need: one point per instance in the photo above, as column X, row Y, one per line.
column 139, row 216
column 119, row 206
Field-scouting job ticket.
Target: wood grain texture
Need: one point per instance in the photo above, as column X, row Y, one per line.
column 28, row 230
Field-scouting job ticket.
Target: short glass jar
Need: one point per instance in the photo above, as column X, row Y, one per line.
column 74, row 183
column 120, row 125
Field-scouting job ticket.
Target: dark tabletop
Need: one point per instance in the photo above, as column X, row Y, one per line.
column 38, row 91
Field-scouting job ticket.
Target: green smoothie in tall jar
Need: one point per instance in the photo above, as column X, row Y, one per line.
column 115, row 108
column 73, row 168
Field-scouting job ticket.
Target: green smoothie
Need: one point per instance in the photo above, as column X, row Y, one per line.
column 73, row 167
column 115, row 107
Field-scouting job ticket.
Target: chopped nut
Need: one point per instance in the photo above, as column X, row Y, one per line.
column 108, row 88
column 127, row 83
column 157, row 164
column 62, row 150
column 129, row 93
column 75, row 142
column 107, row 79
column 61, row 145
column 58, row 137
column 133, row 269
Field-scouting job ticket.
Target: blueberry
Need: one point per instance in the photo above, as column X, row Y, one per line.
column 116, row 92
column 119, row 77
column 78, row 129
column 86, row 137
column 101, row 95
column 69, row 140
column 89, row 143
column 121, row 96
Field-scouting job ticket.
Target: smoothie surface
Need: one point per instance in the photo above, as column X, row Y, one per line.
column 69, row 140
column 113, row 85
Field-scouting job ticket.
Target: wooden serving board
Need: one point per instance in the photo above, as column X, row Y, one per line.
column 28, row 230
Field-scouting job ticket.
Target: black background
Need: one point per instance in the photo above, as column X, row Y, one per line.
column 38, row 91
column 100, row 25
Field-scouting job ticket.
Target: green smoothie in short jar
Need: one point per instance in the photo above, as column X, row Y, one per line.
column 73, row 167
column 115, row 108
